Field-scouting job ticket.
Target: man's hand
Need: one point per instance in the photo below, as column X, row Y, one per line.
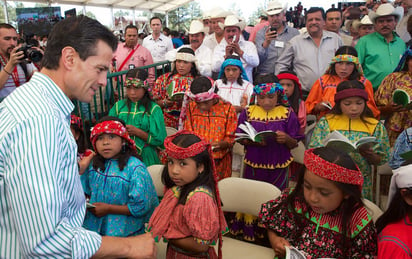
column 269, row 36
column 142, row 247
column 15, row 58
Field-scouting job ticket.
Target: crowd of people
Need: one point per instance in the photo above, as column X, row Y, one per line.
column 68, row 194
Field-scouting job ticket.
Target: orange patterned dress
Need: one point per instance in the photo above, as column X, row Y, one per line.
column 218, row 124
column 161, row 92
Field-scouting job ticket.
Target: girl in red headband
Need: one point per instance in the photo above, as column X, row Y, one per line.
column 213, row 119
column 117, row 182
column 293, row 90
column 189, row 216
column 324, row 215
column 353, row 118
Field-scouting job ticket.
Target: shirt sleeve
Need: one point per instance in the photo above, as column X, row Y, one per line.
column 250, row 55
column 401, row 146
column 36, row 180
column 218, row 57
column 285, row 60
column 231, row 123
column 260, row 38
column 383, row 149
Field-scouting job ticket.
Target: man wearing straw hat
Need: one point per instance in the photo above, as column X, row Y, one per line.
column 217, row 16
column 234, row 44
column 379, row 52
column 271, row 40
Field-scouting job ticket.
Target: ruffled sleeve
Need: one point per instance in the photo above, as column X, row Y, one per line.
column 202, row 217
column 271, row 211
column 142, row 195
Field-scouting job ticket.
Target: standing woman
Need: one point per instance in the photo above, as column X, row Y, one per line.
column 397, row 117
column 179, row 80
column 143, row 117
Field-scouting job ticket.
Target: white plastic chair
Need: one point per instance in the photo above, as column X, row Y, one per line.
column 384, row 169
column 239, row 149
column 247, row 196
column 373, row 209
column 298, row 152
column 155, row 172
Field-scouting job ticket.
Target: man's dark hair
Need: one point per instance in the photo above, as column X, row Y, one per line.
column 153, row 18
column 315, row 10
column 6, row 26
column 130, row 26
column 79, row 32
column 331, row 10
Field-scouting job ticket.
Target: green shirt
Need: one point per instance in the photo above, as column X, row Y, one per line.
column 378, row 57
column 152, row 123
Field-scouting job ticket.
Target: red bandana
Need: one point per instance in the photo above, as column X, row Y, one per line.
column 331, row 171
column 76, row 121
column 177, row 152
column 293, row 78
column 351, row 92
column 111, row 127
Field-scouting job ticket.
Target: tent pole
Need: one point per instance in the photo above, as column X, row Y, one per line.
column 6, row 14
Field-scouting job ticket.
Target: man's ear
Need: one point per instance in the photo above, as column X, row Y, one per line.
column 69, row 56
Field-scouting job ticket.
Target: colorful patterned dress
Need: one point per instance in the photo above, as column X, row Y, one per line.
column 199, row 218
column 355, row 129
column 398, row 121
column 132, row 187
column 319, row 235
column 151, row 122
column 160, row 92
column 218, row 124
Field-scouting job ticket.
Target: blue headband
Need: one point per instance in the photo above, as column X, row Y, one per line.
column 233, row 62
column 401, row 63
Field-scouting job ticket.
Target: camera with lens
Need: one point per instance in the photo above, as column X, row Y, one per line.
column 30, row 53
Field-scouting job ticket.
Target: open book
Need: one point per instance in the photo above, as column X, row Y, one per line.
column 401, row 97
column 293, row 253
column 327, row 105
column 251, row 133
column 174, row 89
column 337, row 140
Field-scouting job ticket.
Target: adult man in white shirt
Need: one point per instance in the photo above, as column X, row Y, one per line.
column 217, row 16
column 157, row 43
column 234, row 44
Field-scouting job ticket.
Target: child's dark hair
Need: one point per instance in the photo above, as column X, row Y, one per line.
column 124, row 155
column 355, row 84
column 193, row 71
column 200, row 85
column 347, row 50
column 146, row 101
column 396, row 211
column 348, row 206
column 294, row 99
column 265, row 78
column 203, row 179
column 82, row 143
column 239, row 80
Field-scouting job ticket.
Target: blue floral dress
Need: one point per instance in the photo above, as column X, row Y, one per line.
column 132, row 187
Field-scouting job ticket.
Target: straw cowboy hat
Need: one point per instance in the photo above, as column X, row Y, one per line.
column 275, row 7
column 386, row 10
column 233, row 20
column 218, row 13
column 197, row 26
column 365, row 21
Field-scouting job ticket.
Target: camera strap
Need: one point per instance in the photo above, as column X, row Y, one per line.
column 14, row 73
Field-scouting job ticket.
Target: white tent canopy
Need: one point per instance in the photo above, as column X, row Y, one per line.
column 157, row 6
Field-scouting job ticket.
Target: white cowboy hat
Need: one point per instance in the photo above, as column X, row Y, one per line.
column 233, row 20
column 196, row 26
column 364, row 21
column 275, row 7
column 385, row 10
column 218, row 13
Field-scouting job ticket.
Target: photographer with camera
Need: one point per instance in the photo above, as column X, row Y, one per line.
column 270, row 40
column 14, row 69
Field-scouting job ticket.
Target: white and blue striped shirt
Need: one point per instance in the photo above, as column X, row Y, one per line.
column 42, row 205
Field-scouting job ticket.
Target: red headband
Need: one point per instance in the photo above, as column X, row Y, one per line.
column 293, row 78
column 351, row 92
column 177, row 152
column 331, row 171
column 111, row 127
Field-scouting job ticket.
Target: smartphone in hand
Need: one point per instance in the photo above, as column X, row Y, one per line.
column 273, row 29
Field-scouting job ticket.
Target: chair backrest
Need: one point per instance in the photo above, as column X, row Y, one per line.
column 373, row 209
column 155, row 172
column 170, row 131
column 298, row 152
column 244, row 195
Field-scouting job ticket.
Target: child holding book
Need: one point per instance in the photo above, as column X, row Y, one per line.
column 117, row 182
column 344, row 66
column 323, row 216
column 213, row 119
column 190, row 215
column 353, row 118
column 233, row 84
column 268, row 159
column 395, row 225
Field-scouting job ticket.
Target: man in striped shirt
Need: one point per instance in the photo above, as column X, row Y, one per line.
column 42, row 205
